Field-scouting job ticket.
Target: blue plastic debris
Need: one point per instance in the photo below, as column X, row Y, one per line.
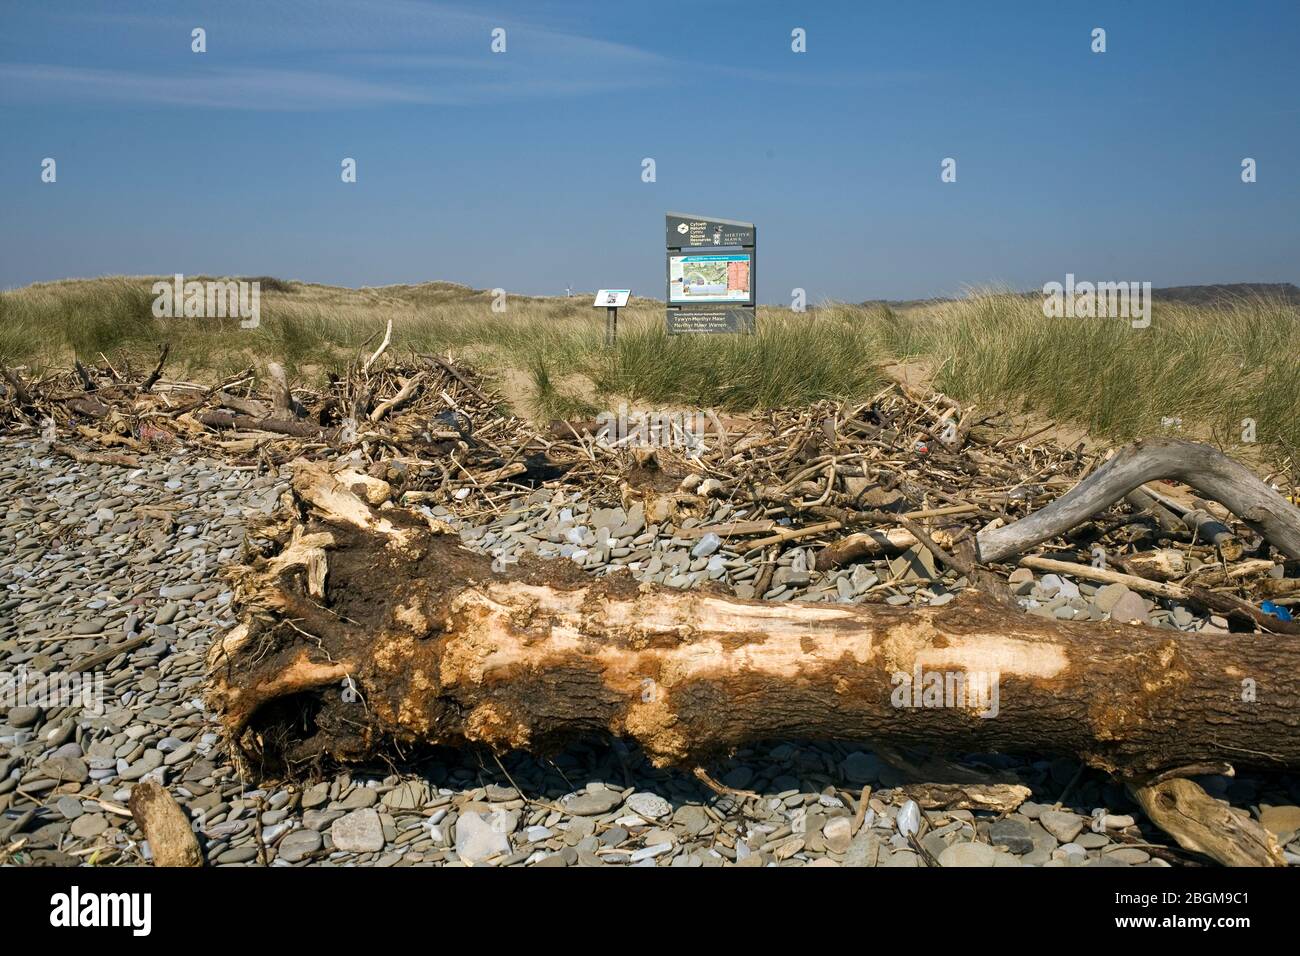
column 1279, row 612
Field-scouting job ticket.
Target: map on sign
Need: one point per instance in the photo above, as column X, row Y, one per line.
column 612, row 298
column 718, row 278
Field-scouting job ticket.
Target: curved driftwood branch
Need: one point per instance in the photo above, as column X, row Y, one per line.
column 1206, row 469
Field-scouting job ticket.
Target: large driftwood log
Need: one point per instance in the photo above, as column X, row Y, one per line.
column 405, row 638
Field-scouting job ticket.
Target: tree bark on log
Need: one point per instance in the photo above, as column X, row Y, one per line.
column 364, row 629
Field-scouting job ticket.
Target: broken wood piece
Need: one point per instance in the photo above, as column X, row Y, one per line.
column 121, row 459
column 1162, row 564
column 794, row 534
column 245, row 406
column 164, row 825
column 1204, row 526
column 489, row 478
column 388, row 337
column 156, row 374
column 1144, row 503
column 729, row 529
column 460, row 377
column 403, row 394
column 1204, row 825
column 995, row 797
column 16, row 385
column 91, row 407
column 99, row 658
column 86, row 381
column 862, row 544
column 109, row 439
column 298, row 429
column 1209, row 575
column 278, row 383
column 1174, row 592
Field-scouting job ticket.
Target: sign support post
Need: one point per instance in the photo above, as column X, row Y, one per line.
column 611, row 299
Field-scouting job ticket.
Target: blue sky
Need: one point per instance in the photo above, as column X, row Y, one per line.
column 523, row 169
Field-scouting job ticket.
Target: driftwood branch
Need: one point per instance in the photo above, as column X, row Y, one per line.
column 388, row 337
column 405, row 392
column 281, row 397
column 1121, row 478
column 156, row 374
column 1206, row 469
column 1204, row 825
column 17, row 386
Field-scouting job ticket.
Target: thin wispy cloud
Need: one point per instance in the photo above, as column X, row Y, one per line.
column 235, row 87
column 327, row 55
column 344, row 54
column 256, row 88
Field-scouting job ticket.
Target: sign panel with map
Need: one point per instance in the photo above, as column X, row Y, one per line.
column 711, row 278
column 711, row 274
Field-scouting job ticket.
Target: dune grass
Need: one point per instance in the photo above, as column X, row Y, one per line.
column 1211, row 367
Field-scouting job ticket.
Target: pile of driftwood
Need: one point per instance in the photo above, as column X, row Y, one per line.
column 364, row 626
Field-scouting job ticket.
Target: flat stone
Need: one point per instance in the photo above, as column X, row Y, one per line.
column 651, row 806
column 316, row 795
column 409, row 795
column 1130, row 607
column 179, row 591
column 1011, row 834
column 968, row 854
column 1021, row 581
column 864, row 850
column 478, row 840
column 1128, row 855
column 903, row 858
column 591, row 803
column 23, row 716
column 66, row 769
column 1060, row 824
column 838, row 834
column 360, row 831
column 650, row 852
column 359, row 798
column 298, row 844
column 738, row 778
column 89, row 825
column 693, row 818
column 238, row 854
